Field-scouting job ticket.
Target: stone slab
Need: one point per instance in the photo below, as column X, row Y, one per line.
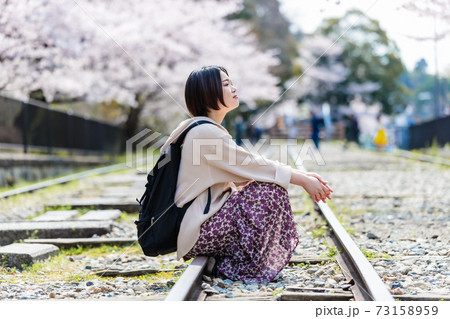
column 427, row 296
column 128, row 194
column 311, row 296
column 106, row 214
column 57, row 215
column 135, row 298
column 242, row 297
column 71, row 242
column 120, row 180
column 12, row 231
column 17, row 255
column 303, row 260
column 8, row 159
column 128, row 205
column 121, row 189
column 130, row 273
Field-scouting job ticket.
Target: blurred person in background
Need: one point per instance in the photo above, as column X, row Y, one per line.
column 380, row 139
column 316, row 125
column 351, row 131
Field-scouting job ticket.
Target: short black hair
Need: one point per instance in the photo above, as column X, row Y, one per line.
column 203, row 90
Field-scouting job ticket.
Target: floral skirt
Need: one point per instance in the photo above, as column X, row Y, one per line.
column 252, row 237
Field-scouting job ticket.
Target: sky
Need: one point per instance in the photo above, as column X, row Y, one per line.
column 398, row 23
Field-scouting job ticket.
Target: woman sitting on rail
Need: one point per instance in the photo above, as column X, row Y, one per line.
column 250, row 232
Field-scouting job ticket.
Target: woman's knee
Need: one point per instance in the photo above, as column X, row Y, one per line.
column 263, row 187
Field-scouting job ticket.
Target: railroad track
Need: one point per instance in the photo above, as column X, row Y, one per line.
column 422, row 157
column 71, row 177
column 63, row 180
column 364, row 282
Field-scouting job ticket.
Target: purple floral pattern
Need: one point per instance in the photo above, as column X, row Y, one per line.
column 252, row 236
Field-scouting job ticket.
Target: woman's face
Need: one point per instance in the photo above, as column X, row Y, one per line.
column 229, row 92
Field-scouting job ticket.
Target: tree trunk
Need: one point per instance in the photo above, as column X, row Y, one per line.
column 131, row 125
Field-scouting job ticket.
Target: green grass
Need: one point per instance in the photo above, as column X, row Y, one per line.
column 330, row 252
column 57, row 268
column 307, row 206
column 319, row 232
column 433, row 150
column 307, row 202
column 39, row 198
column 115, row 160
column 23, row 183
column 36, row 198
column 343, row 213
column 128, row 218
column 304, row 265
column 369, row 254
column 102, row 251
column 60, row 268
column 277, row 292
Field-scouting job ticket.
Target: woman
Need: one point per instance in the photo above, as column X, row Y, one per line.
column 250, row 232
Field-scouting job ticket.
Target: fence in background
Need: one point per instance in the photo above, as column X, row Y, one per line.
column 29, row 125
column 423, row 135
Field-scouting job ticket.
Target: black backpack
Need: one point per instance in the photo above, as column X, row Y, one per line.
column 159, row 218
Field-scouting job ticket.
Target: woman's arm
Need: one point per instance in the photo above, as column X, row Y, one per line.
column 223, row 161
column 313, row 183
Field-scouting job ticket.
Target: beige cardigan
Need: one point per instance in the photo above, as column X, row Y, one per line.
column 210, row 158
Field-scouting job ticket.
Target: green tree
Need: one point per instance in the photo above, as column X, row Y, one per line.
column 370, row 56
column 272, row 31
column 422, row 87
column 438, row 10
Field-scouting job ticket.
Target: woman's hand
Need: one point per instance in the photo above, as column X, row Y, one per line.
column 313, row 183
column 324, row 182
column 316, row 189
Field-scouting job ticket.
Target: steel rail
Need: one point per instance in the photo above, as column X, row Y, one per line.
column 187, row 288
column 63, row 179
column 367, row 284
column 72, row 177
column 421, row 157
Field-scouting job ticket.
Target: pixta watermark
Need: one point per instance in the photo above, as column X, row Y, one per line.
column 142, row 151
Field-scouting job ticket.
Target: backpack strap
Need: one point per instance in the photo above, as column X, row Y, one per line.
column 206, row 211
column 183, row 135
column 180, row 141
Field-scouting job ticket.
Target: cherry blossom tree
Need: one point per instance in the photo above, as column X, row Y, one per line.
column 39, row 50
column 437, row 9
column 322, row 68
column 136, row 53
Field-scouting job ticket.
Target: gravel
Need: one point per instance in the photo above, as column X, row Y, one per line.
column 396, row 209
